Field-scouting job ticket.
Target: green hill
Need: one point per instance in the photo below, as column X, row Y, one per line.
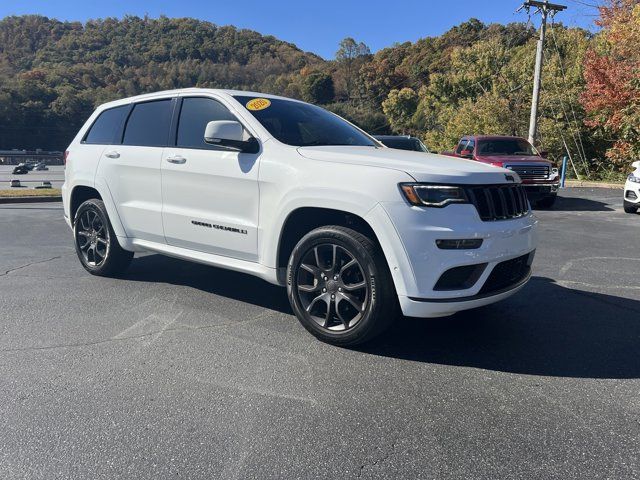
column 52, row 73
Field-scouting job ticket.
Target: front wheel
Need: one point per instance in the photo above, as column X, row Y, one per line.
column 630, row 207
column 339, row 286
column 95, row 241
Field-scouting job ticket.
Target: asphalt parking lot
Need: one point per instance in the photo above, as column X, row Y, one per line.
column 186, row 371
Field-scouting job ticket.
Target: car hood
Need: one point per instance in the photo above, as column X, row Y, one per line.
column 423, row 167
column 511, row 159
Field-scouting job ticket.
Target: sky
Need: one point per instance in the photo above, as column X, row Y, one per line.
column 315, row 26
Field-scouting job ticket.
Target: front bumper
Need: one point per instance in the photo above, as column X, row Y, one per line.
column 419, row 263
column 631, row 189
column 537, row 191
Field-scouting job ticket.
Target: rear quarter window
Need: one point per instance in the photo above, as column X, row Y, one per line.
column 107, row 126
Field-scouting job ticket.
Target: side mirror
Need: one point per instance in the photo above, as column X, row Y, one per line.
column 544, row 153
column 229, row 134
column 466, row 153
column 636, row 164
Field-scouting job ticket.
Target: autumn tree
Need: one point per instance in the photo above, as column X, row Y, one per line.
column 400, row 108
column 317, row 87
column 350, row 57
column 612, row 74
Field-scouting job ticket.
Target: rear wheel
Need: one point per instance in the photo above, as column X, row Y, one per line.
column 339, row 286
column 630, row 207
column 95, row 241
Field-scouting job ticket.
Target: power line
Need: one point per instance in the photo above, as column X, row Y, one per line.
column 566, row 83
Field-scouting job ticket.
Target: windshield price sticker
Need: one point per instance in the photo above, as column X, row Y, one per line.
column 258, row 104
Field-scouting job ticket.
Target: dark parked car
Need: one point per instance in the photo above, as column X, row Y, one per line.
column 20, row 170
column 402, row 142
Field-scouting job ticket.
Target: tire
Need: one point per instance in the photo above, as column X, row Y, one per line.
column 340, row 287
column 96, row 243
column 547, row 202
column 630, row 207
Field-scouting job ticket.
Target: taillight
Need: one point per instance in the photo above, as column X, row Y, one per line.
column 64, row 158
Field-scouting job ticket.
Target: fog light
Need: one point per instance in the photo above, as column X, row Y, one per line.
column 631, row 195
column 465, row 244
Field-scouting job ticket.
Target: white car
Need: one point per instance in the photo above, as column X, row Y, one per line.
column 291, row 193
column 632, row 190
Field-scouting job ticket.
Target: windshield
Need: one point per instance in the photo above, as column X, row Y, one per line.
column 404, row 144
column 301, row 124
column 506, row 146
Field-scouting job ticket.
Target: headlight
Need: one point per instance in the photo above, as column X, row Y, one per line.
column 633, row 178
column 432, row 195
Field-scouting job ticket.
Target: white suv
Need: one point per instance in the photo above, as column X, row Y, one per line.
column 632, row 190
column 291, row 193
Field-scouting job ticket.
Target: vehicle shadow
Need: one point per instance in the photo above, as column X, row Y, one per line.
column 238, row 286
column 574, row 204
column 546, row 329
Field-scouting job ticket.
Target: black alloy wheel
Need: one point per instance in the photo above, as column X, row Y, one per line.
column 95, row 241
column 340, row 287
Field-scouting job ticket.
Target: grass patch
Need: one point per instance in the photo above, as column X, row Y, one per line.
column 31, row 192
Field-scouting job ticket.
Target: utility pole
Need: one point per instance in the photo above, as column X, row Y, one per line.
column 545, row 9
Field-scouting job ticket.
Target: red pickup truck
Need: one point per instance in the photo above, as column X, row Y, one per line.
column 539, row 176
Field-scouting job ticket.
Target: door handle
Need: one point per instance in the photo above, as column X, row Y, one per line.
column 112, row 154
column 177, row 159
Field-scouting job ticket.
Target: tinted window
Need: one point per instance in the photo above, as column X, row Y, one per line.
column 148, row 124
column 471, row 145
column 405, row 144
column 301, row 124
column 506, row 146
column 461, row 145
column 107, row 126
column 194, row 116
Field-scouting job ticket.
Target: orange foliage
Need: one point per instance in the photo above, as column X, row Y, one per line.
column 612, row 75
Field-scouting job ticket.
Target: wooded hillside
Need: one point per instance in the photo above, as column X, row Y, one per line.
column 475, row 78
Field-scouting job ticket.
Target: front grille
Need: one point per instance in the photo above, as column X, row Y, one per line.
column 508, row 273
column 530, row 172
column 499, row 202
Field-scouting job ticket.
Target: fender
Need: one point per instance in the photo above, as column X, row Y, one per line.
column 109, row 204
column 371, row 212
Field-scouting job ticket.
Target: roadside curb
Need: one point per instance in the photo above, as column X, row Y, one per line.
column 583, row 183
column 30, row 199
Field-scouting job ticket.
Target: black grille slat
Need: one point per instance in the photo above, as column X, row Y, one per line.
column 514, row 205
column 503, row 202
column 498, row 202
column 490, row 204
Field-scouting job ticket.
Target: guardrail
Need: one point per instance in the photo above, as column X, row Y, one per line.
column 18, row 183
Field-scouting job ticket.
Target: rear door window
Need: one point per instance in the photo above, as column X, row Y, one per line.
column 195, row 113
column 107, row 126
column 148, row 124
